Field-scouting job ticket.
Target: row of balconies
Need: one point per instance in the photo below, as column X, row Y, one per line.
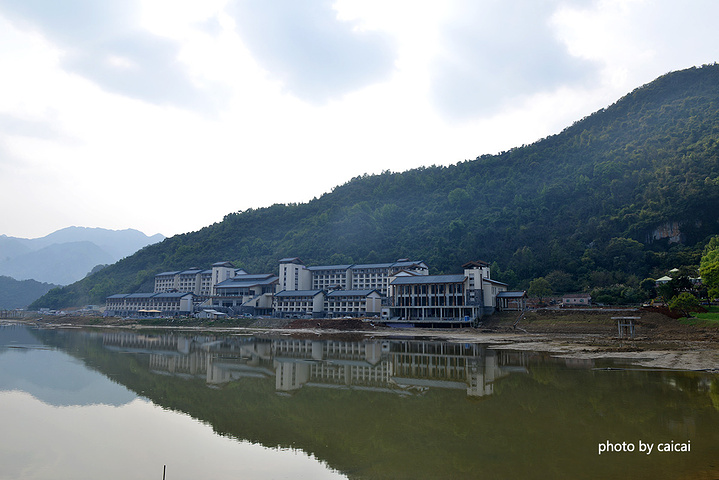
column 335, row 309
column 422, row 302
column 141, row 306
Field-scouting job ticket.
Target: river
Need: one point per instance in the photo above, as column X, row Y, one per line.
column 78, row 404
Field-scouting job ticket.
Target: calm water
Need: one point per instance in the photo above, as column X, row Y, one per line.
column 120, row 405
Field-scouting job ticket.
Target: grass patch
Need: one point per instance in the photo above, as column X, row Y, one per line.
column 708, row 319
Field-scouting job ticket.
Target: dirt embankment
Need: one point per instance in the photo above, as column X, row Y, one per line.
column 343, row 324
column 651, row 324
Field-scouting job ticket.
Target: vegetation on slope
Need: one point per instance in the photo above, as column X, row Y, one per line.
column 585, row 208
column 20, row 293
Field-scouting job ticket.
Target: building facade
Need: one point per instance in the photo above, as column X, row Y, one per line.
column 196, row 281
column 577, row 299
column 401, row 290
column 294, row 275
column 245, row 293
column 431, row 299
column 151, row 304
column 508, row 301
column 460, row 298
column 300, row 303
column 353, row 303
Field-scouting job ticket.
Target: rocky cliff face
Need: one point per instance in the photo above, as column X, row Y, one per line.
column 668, row 230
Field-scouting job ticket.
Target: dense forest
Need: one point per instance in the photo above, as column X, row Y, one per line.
column 622, row 195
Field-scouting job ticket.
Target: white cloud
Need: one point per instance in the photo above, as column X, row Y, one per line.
column 315, row 55
column 496, row 53
column 98, row 37
column 165, row 115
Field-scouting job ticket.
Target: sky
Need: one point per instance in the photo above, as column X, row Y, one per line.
column 166, row 115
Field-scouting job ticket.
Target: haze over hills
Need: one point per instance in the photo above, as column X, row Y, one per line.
column 626, row 193
column 67, row 255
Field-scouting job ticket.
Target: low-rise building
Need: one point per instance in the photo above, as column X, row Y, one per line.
column 353, row 303
column 576, row 299
column 165, row 303
column 508, row 301
column 300, row 303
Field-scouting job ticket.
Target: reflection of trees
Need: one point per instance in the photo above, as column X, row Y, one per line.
column 714, row 393
column 526, row 429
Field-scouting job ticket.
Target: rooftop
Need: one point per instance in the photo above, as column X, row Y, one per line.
column 511, row 294
column 351, row 293
column 298, row 293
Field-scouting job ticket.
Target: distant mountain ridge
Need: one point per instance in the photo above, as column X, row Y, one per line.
column 620, row 196
column 67, row 255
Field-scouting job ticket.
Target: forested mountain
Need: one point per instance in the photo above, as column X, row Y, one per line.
column 624, row 194
column 20, row 293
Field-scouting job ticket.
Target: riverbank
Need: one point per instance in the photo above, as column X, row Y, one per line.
column 659, row 341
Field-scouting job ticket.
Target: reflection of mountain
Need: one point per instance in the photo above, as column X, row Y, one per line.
column 544, row 423
column 394, row 366
column 51, row 376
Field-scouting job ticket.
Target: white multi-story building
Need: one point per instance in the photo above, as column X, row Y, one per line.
column 189, row 281
column 165, row 282
column 331, row 277
column 376, row 276
column 194, row 280
column 294, row 275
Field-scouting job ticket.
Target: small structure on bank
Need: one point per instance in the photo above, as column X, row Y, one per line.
column 625, row 326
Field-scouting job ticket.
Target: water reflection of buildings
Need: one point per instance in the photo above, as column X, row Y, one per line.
column 396, row 366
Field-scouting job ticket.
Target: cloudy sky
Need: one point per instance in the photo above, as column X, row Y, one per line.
column 165, row 115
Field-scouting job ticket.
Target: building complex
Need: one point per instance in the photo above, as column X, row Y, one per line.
column 401, row 291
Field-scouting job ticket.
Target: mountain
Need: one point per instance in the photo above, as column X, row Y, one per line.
column 118, row 243
column 20, row 294
column 11, row 247
column 626, row 193
column 61, row 263
column 67, row 255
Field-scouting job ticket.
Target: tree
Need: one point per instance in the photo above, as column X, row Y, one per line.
column 713, row 293
column 648, row 287
column 539, row 287
column 709, row 266
column 561, row 282
column 684, row 302
column 458, row 197
column 674, row 287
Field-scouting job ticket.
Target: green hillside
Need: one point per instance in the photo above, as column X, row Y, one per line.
column 622, row 195
column 20, row 293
